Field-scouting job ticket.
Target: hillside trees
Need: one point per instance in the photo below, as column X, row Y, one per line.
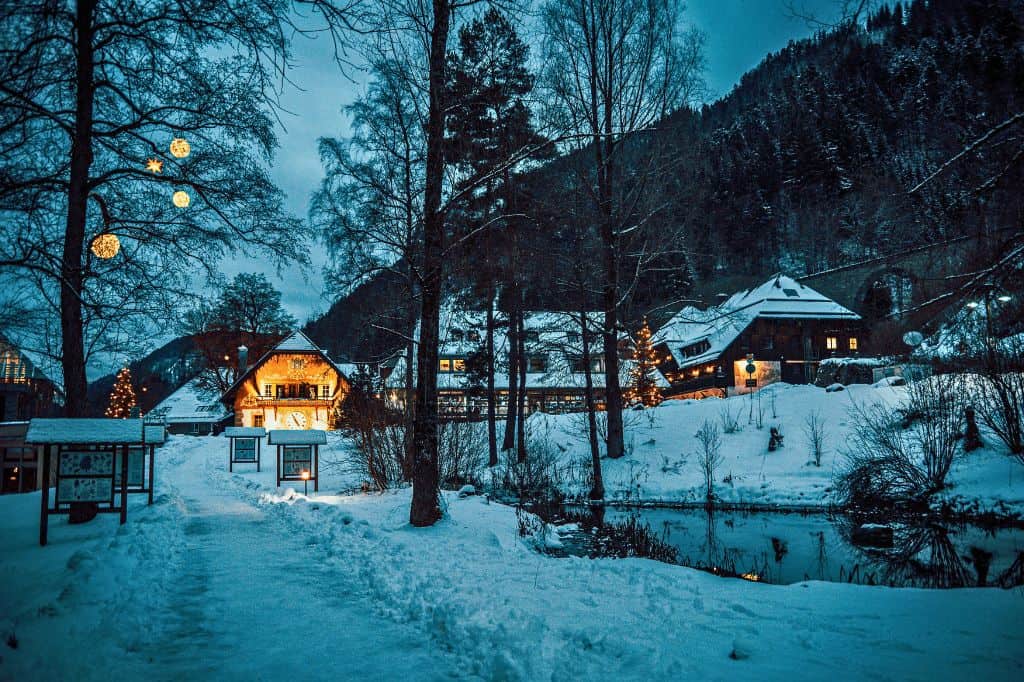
column 88, row 94
column 613, row 70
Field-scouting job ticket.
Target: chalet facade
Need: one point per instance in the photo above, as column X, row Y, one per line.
column 293, row 386
column 555, row 371
column 26, row 391
column 191, row 411
column 783, row 328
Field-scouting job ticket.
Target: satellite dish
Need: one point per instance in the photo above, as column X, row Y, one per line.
column 913, row 339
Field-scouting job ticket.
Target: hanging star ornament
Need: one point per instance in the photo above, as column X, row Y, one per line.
column 155, row 165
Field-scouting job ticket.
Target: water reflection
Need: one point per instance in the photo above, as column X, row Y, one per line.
column 786, row 548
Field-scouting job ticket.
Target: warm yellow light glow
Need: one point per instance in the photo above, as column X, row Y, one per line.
column 831, row 343
column 106, row 246
column 305, row 475
column 752, row 577
column 180, row 147
column 181, row 199
column 155, row 165
column 853, row 343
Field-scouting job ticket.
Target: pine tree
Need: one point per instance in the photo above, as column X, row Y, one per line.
column 643, row 386
column 122, row 398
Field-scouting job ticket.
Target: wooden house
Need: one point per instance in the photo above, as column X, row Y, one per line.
column 782, row 329
column 26, row 391
column 555, row 372
column 293, row 386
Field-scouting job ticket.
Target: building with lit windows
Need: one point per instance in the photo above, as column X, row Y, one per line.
column 293, row 386
column 783, row 329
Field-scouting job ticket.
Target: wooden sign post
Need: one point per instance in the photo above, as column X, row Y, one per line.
column 245, row 445
column 298, row 455
column 92, row 465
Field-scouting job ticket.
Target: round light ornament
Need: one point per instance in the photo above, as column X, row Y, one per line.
column 106, row 246
column 181, row 199
column 180, row 148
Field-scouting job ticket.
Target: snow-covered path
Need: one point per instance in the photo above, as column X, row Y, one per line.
column 248, row 599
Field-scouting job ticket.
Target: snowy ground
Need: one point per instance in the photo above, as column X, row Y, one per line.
column 227, row 577
column 661, row 464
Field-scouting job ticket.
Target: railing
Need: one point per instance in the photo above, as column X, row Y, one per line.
column 274, row 401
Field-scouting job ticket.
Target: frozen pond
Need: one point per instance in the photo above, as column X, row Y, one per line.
column 786, row 548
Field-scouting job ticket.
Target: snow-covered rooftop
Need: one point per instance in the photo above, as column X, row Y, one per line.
column 297, row 437
column 245, row 432
column 298, row 342
column 781, row 297
column 86, row 431
column 190, row 404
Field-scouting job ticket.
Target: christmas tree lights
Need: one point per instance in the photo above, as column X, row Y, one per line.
column 643, row 386
column 122, row 398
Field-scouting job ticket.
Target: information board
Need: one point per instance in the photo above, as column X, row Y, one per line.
column 86, row 476
column 245, row 449
column 136, row 468
column 296, row 458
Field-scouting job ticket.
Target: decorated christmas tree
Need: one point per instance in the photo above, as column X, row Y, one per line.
column 122, row 398
column 643, row 385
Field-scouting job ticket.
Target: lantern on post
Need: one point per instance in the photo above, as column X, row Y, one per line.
column 106, row 246
column 305, row 481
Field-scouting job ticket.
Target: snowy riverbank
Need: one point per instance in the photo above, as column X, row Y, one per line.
column 227, row 575
column 661, row 463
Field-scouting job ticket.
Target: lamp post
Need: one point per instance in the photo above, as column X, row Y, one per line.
column 305, row 481
column 988, row 293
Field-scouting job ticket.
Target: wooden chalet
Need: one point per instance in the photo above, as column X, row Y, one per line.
column 555, row 373
column 25, row 389
column 293, row 386
column 783, row 328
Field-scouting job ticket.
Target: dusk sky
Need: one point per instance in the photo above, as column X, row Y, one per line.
column 739, row 34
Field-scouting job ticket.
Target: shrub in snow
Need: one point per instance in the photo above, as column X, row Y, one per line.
column 708, row 456
column 729, row 418
column 814, row 431
column 999, row 395
column 834, row 388
column 902, row 455
column 467, row 490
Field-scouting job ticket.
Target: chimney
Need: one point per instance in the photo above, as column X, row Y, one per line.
column 243, row 358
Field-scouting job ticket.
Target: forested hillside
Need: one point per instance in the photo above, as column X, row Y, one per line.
column 808, row 164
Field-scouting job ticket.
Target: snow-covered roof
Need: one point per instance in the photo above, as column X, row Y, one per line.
column 781, row 297
column 155, row 433
column 297, row 437
column 245, row 432
column 297, row 342
column 88, row 431
column 190, row 404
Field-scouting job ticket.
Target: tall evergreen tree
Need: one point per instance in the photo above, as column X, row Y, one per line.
column 122, row 397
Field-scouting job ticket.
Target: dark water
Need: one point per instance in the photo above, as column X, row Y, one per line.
column 786, row 548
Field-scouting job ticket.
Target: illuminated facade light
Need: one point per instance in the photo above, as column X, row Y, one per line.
column 106, row 246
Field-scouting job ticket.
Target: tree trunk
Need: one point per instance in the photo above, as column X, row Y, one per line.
column 596, row 492
column 71, row 325
column 409, row 412
column 521, row 405
column 509, row 439
column 492, row 428
column 426, row 509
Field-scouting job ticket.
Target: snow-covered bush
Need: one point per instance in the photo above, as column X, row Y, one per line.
column 461, row 451
column 902, row 455
column 999, row 394
column 539, row 478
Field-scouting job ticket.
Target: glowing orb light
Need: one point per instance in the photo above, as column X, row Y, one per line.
column 155, row 165
column 181, row 199
column 106, row 246
column 180, row 147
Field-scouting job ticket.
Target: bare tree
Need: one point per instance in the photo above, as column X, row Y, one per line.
column 814, row 431
column 709, row 456
column 613, row 69
column 88, row 94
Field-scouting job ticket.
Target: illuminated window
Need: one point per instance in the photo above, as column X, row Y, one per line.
column 325, row 391
column 298, row 363
column 853, row 343
column 444, row 365
column 458, row 365
column 257, row 420
column 831, row 343
column 268, row 390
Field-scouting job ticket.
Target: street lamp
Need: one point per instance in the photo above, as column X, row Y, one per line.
column 305, row 481
column 988, row 290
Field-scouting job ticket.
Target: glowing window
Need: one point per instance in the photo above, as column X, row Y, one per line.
column 853, row 343
column 458, row 365
column 444, row 365
column 831, row 343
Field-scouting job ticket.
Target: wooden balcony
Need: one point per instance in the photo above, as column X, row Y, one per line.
column 273, row 401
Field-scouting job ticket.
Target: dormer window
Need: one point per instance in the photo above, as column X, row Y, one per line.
column 792, row 293
column 695, row 349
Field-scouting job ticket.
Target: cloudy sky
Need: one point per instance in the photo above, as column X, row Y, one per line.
column 739, row 34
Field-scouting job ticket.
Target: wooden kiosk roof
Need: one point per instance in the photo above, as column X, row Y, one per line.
column 297, row 437
column 85, row 431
